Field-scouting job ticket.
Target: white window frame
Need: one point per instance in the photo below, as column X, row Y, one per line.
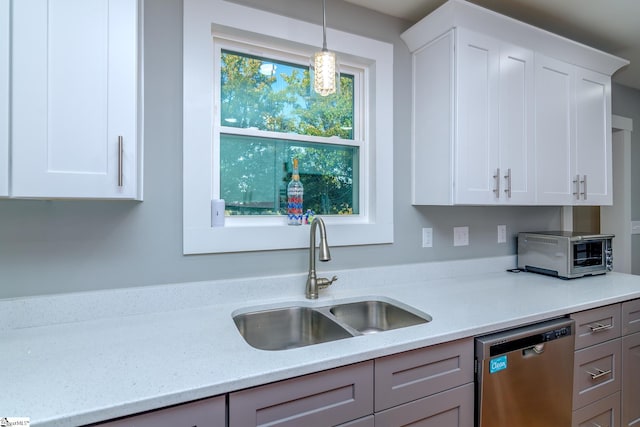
column 204, row 19
column 280, row 53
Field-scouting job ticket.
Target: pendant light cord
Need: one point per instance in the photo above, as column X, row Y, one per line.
column 324, row 27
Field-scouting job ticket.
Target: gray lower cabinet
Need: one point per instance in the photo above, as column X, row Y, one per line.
column 604, row 413
column 597, row 372
column 631, row 380
column 202, row 413
column 631, row 363
column 432, row 386
column 408, row 376
column 451, row 408
column 327, row 398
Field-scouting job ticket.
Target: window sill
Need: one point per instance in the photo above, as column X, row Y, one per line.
column 243, row 238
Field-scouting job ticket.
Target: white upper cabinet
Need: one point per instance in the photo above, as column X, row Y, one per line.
column 75, row 99
column 4, row 98
column 494, row 103
column 592, row 158
column 573, row 134
column 498, row 120
column 473, row 108
column 554, row 123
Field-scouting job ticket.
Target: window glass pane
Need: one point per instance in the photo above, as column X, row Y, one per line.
column 275, row 96
column 254, row 173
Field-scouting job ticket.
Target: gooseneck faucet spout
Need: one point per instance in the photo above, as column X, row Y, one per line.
column 315, row 283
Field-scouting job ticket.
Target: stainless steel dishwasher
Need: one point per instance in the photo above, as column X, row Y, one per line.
column 524, row 376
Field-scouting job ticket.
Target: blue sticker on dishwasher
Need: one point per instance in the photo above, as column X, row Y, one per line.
column 498, row 364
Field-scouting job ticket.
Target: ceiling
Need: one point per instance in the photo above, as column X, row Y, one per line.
column 609, row 25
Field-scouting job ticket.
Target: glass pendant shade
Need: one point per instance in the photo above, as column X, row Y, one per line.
column 324, row 68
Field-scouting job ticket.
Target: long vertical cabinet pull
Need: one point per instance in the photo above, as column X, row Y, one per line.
column 576, row 182
column 508, row 183
column 497, row 178
column 120, row 155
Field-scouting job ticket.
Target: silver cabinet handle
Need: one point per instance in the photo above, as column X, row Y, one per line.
column 120, row 154
column 600, row 373
column 584, row 187
column 600, row 327
column 497, row 178
column 576, row 182
column 508, row 178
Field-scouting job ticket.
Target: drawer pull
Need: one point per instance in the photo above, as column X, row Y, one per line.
column 599, row 374
column 600, row 327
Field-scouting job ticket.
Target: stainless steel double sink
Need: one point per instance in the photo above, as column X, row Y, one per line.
column 300, row 325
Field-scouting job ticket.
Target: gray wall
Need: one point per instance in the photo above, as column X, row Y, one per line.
column 626, row 103
column 66, row 246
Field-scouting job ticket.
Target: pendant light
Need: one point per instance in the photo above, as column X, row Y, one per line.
column 324, row 64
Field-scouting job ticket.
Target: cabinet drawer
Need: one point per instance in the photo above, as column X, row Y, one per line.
column 604, row 413
column 597, row 325
column 361, row 422
column 631, row 317
column 596, row 372
column 408, row 376
column 451, row 408
column 631, row 380
column 203, row 413
column 317, row 400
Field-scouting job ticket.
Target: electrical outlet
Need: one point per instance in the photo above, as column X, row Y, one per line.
column 460, row 236
column 502, row 234
column 427, row 237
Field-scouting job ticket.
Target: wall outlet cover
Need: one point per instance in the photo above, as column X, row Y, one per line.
column 460, row 236
column 502, row 234
column 427, row 237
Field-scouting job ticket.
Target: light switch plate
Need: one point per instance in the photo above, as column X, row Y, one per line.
column 460, row 236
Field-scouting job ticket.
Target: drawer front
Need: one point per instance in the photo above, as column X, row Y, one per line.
column 605, row 413
column 203, row 413
column 631, row 317
column 597, row 325
column 631, row 380
column 408, row 376
column 451, row 408
column 596, row 372
column 362, row 422
column 325, row 398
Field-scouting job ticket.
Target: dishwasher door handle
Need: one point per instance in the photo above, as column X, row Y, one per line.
column 533, row 350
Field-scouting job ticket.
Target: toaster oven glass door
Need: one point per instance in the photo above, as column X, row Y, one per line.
column 588, row 254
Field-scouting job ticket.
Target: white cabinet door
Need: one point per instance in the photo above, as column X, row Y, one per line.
column 74, row 98
column 477, row 152
column 554, row 106
column 593, row 161
column 432, row 139
column 4, row 97
column 494, row 152
column 516, row 131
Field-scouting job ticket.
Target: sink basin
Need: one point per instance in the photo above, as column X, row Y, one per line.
column 290, row 327
column 300, row 325
column 375, row 316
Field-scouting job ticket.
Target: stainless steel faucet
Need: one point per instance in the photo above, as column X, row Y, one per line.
column 315, row 283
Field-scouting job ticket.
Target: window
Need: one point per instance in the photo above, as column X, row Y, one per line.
column 269, row 116
column 240, row 136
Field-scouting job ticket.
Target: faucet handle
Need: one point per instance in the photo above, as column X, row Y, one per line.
column 323, row 282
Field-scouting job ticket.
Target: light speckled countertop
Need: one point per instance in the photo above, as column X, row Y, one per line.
column 80, row 358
